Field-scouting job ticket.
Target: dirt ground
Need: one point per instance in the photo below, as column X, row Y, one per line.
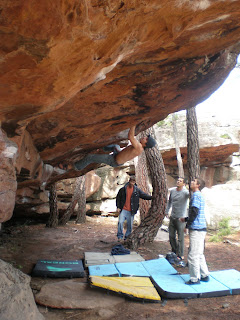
column 23, row 244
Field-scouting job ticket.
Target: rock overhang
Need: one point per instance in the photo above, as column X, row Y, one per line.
column 76, row 76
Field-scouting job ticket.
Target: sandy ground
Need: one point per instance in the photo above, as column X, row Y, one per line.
column 22, row 245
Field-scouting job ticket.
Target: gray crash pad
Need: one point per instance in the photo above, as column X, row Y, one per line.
column 100, row 258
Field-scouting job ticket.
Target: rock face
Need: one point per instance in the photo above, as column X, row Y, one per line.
column 16, row 297
column 8, row 183
column 31, row 201
column 76, row 75
column 101, row 187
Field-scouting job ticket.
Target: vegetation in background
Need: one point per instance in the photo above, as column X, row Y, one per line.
column 223, row 230
column 225, row 136
column 167, row 122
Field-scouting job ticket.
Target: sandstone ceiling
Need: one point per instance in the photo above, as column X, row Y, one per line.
column 75, row 75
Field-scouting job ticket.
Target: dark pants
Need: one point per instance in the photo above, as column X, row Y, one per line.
column 176, row 227
column 108, row 159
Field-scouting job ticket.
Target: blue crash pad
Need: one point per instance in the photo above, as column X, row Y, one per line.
column 130, row 269
column 159, row 266
column 59, row 269
column 221, row 283
column 172, row 286
column 137, row 269
column 213, row 288
column 230, row 278
column 104, row 270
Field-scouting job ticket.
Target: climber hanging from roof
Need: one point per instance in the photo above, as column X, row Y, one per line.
column 118, row 155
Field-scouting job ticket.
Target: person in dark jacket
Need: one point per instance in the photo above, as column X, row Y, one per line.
column 127, row 202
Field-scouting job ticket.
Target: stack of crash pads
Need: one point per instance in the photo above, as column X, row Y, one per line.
column 138, row 279
column 130, row 278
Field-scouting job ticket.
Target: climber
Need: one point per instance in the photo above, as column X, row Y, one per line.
column 118, row 156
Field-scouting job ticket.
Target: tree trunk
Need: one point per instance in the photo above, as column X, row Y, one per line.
column 149, row 226
column 141, row 173
column 68, row 213
column 193, row 160
column 53, row 218
column 178, row 152
column 81, row 213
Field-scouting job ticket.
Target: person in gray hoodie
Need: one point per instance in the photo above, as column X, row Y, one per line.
column 178, row 200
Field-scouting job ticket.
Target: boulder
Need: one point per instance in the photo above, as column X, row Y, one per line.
column 223, row 201
column 73, row 294
column 16, row 297
column 8, row 183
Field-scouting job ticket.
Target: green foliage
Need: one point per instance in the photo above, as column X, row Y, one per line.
column 223, row 230
column 225, row 136
column 215, row 238
column 161, row 123
column 167, row 122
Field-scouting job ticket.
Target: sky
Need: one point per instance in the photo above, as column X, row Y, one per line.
column 225, row 102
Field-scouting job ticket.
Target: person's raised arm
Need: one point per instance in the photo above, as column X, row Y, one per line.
column 131, row 133
column 169, row 204
column 131, row 136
